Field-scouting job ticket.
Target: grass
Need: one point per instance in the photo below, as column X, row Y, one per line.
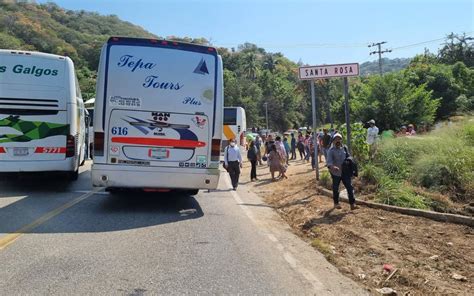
column 322, row 247
column 325, row 179
column 406, row 169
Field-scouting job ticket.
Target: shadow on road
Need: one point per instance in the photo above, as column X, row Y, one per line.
column 38, row 182
column 101, row 212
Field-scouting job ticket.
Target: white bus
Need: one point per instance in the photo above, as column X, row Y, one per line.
column 234, row 126
column 42, row 124
column 158, row 116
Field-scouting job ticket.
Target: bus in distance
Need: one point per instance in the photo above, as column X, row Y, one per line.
column 235, row 125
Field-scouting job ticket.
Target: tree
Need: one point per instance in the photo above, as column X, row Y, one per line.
column 270, row 62
column 251, row 66
column 458, row 48
column 392, row 101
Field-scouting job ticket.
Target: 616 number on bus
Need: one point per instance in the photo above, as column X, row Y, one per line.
column 121, row 131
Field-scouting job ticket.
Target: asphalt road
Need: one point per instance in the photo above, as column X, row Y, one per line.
column 61, row 238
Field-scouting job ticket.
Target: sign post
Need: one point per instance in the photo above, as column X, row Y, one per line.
column 315, row 138
column 324, row 72
column 346, row 110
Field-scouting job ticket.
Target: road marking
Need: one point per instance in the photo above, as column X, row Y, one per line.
column 10, row 238
column 87, row 191
column 6, row 201
column 288, row 256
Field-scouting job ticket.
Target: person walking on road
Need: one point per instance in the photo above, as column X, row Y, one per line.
column 258, row 145
column 307, row 148
column 268, row 143
column 293, row 146
column 337, row 154
column 326, row 143
column 252, row 156
column 233, row 162
column 372, row 135
column 274, row 162
column 287, row 150
column 281, row 149
column 300, row 146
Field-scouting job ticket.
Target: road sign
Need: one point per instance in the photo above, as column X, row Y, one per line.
column 328, row 71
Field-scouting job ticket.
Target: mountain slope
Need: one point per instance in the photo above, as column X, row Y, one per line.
column 49, row 28
column 52, row 29
column 388, row 65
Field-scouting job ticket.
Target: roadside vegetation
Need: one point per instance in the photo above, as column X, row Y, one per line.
column 432, row 171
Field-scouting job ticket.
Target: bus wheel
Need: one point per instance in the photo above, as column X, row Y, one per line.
column 192, row 192
column 73, row 176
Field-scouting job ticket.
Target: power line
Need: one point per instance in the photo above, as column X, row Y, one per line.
column 380, row 52
column 303, row 45
column 424, row 42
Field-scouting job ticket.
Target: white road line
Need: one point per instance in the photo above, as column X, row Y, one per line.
column 87, row 191
column 288, row 256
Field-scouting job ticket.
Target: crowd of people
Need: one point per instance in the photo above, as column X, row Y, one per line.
column 276, row 152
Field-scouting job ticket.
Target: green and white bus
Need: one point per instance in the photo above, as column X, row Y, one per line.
column 42, row 124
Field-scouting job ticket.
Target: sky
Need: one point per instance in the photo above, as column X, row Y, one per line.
column 314, row 32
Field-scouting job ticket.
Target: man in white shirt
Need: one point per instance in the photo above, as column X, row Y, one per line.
column 372, row 135
column 233, row 162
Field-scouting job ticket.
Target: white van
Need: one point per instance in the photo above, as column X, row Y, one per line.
column 42, row 124
column 158, row 116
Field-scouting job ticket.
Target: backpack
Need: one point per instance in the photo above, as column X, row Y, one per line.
column 251, row 153
column 349, row 165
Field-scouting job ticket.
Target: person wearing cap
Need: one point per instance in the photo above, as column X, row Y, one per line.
column 233, row 162
column 411, row 130
column 372, row 135
column 336, row 156
column 402, row 132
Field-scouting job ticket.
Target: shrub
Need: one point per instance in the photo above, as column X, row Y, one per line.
column 399, row 194
column 394, row 160
column 360, row 149
column 371, row 174
column 468, row 133
column 325, row 179
column 433, row 172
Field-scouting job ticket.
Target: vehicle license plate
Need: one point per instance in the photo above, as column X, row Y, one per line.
column 20, row 151
column 158, row 153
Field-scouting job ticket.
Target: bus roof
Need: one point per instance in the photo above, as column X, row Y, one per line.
column 32, row 53
column 162, row 43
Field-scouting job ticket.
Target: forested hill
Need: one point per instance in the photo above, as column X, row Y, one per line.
column 431, row 87
column 50, row 28
column 388, row 65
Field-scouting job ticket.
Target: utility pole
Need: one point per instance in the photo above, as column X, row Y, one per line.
column 380, row 52
column 315, row 137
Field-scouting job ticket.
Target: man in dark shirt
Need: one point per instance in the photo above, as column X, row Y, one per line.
column 293, row 146
column 336, row 156
column 326, row 143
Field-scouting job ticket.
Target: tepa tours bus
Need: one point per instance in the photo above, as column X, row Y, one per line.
column 42, row 124
column 234, row 126
column 158, row 116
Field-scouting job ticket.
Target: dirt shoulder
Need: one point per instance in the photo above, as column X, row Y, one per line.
column 422, row 254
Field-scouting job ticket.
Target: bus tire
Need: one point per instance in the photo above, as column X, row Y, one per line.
column 192, row 191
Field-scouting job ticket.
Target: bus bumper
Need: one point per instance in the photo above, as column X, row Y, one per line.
column 65, row 165
column 115, row 176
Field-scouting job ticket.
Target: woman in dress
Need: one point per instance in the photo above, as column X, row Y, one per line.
column 274, row 162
